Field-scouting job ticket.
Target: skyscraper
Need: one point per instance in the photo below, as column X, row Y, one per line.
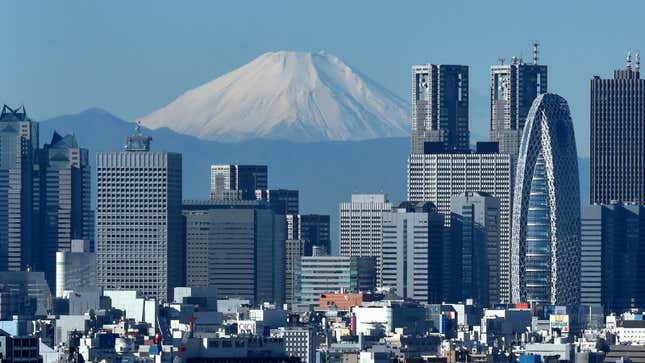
column 139, row 227
column 618, row 137
column 412, row 251
column 313, row 228
column 238, row 247
column 282, row 201
column 437, row 177
column 513, row 87
column 62, row 190
column 361, row 222
column 475, row 237
column 440, row 107
column 231, row 182
column 546, row 208
column 18, row 145
column 612, row 242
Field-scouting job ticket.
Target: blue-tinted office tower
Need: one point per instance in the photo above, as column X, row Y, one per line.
column 545, row 239
column 62, row 194
column 18, row 145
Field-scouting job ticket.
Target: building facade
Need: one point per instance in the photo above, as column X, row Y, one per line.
column 282, row 201
column 18, row 144
column 231, row 182
column 618, row 137
column 475, row 237
column 612, row 239
column 513, row 87
column 361, row 223
column 238, row 247
column 412, row 251
column 62, row 199
column 139, row 227
column 437, row 177
column 76, row 268
column 546, row 208
column 440, row 107
column 313, row 228
column 317, row 275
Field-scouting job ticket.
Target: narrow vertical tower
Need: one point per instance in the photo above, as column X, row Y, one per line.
column 545, row 236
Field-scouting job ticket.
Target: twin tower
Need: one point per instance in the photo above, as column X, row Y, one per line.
column 539, row 257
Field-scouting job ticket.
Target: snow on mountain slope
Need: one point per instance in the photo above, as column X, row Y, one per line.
column 295, row 96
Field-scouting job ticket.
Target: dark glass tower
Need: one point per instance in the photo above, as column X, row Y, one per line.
column 618, row 137
column 440, row 108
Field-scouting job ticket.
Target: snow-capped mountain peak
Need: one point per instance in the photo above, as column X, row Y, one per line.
column 296, row 96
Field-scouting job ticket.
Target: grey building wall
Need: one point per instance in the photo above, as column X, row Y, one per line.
column 440, row 107
column 230, row 182
column 437, row 177
column 618, row 138
column 238, row 247
column 475, row 240
column 412, row 251
column 139, row 227
column 18, row 144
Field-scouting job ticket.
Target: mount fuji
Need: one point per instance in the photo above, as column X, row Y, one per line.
column 294, row 96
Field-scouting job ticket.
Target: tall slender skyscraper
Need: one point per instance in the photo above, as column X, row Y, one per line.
column 546, row 209
column 440, row 107
column 139, row 226
column 18, row 145
column 62, row 189
column 513, row 87
column 618, row 137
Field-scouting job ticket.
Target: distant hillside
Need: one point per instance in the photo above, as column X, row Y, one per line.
column 326, row 173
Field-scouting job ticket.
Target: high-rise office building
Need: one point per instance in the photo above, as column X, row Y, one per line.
column 437, row 177
column 62, row 199
column 295, row 248
column 612, row 239
column 139, row 227
column 546, row 209
column 313, row 228
column 361, row 223
column 282, row 201
column 618, row 137
column 475, row 238
column 513, row 87
column 412, row 251
column 440, row 108
column 238, row 247
column 18, row 145
column 316, row 275
column 231, row 182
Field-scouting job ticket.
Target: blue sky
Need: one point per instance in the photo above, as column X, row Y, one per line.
column 131, row 57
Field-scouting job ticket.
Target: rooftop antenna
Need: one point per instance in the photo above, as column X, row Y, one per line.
column 536, row 44
column 501, row 60
column 629, row 59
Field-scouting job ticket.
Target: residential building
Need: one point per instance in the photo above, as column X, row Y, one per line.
column 513, row 87
column 475, row 239
column 437, row 177
column 317, row 275
column 18, row 144
column 75, row 269
column 139, row 227
column 238, row 247
column 62, row 193
column 618, row 137
column 361, row 223
column 546, row 208
column 412, row 251
column 231, row 182
column 440, row 107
